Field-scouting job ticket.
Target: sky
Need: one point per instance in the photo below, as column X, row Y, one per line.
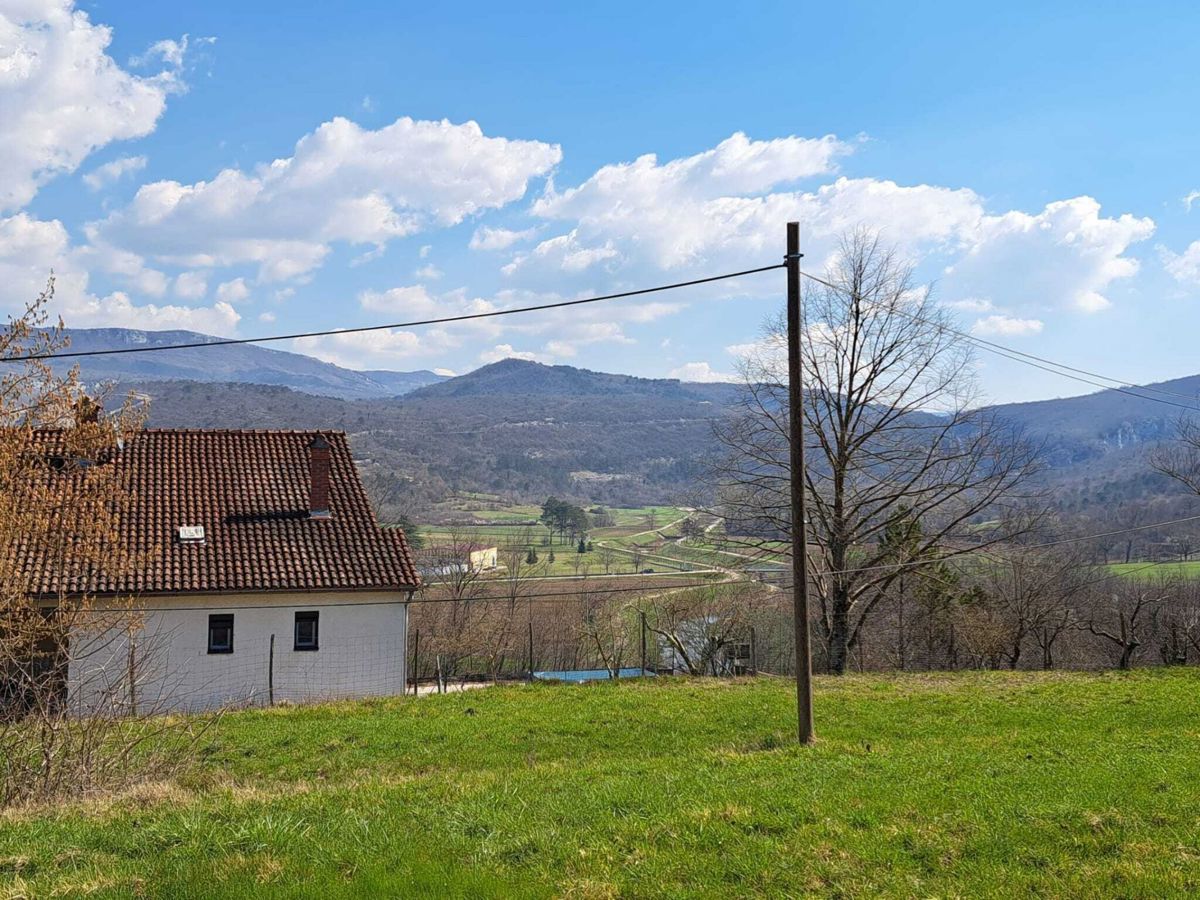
column 247, row 169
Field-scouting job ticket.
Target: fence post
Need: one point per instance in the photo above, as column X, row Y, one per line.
column 271, row 673
column 753, row 651
column 416, row 658
column 531, row 650
column 642, row 616
column 132, row 677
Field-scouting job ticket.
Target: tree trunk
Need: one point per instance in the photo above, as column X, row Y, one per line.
column 839, row 637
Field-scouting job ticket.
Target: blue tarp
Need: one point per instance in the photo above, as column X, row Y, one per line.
column 588, row 674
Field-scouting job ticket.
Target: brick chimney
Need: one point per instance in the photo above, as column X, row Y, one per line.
column 318, row 469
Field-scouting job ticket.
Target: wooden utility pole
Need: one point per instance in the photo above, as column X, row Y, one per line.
column 799, row 519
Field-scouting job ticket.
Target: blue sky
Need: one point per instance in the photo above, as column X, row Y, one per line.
column 305, row 166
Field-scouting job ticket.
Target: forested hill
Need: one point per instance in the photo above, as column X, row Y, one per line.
column 528, row 430
column 516, row 427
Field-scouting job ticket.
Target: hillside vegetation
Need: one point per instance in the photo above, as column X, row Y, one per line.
column 981, row 784
column 528, row 430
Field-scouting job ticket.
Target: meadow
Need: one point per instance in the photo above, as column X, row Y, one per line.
column 969, row 784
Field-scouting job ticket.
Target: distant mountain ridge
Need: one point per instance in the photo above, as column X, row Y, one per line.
column 514, row 377
column 524, row 428
column 246, row 363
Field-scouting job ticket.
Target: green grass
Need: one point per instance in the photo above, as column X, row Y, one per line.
column 1146, row 571
column 980, row 784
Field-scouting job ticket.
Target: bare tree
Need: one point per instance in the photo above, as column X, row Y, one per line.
column 1121, row 616
column 1181, row 459
column 894, row 432
column 1033, row 592
column 66, row 725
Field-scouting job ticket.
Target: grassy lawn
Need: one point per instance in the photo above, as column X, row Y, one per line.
column 1189, row 569
column 965, row 785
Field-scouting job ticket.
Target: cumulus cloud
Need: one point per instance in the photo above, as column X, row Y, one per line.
column 564, row 252
column 1066, row 256
column 343, row 183
column 233, row 291
column 1183, row 267
column 682, row 211
column 30, row 248
column 191, row 285
column 506, row 351
column 723, row 209
column 110, row 172
column 363, row 350
column 169, row 51
column 1006, row 326
column 62, row 96
column 1190, row 198
column 700, row 371
column 117, row 309
column 486, row 238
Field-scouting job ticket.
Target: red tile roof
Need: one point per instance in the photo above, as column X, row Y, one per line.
column 250, row 492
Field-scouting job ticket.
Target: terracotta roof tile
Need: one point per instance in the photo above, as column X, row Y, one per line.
column 250, row 492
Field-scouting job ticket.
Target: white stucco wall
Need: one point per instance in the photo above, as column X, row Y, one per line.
column 362, row 640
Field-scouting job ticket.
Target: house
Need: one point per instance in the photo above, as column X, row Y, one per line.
column 262, row 576
column 457, row 558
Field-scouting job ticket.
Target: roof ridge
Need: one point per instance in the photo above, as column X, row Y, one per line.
column 326, row 431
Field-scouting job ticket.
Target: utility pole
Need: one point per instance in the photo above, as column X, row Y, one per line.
column 804, row 712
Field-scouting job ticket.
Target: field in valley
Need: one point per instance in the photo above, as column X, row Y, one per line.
column 973, row 784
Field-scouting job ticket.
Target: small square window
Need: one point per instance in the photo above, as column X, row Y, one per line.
column 306, row 631
column 220, row 633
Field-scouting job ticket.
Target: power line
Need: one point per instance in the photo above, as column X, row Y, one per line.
column 1117, row 384
column 444, row 320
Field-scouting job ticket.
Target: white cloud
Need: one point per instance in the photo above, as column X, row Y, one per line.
column 117, row 309
column 412, row 300
column 1190, row 198
column 1066, row 256
column 191, row 285
column 684, row 211
column 267, row 317
column 363, row 350
column 700, row 371
column 170, row 52
column 110, row 172
column 447, row 373
column 30, row 248
column 1183, row 267
column 343, row 183
column 565, row 253
column 971, row 304
column 62, row 96
column 1006, row 326
column 429, row 272
column 724, row 209
column 234, row 291
column 506, row 351
column 486, row 238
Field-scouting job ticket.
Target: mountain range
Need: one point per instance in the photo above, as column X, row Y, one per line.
column 247, row 363
column 526, row 430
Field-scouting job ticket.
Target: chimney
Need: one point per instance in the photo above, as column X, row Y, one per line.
column 318, row 469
